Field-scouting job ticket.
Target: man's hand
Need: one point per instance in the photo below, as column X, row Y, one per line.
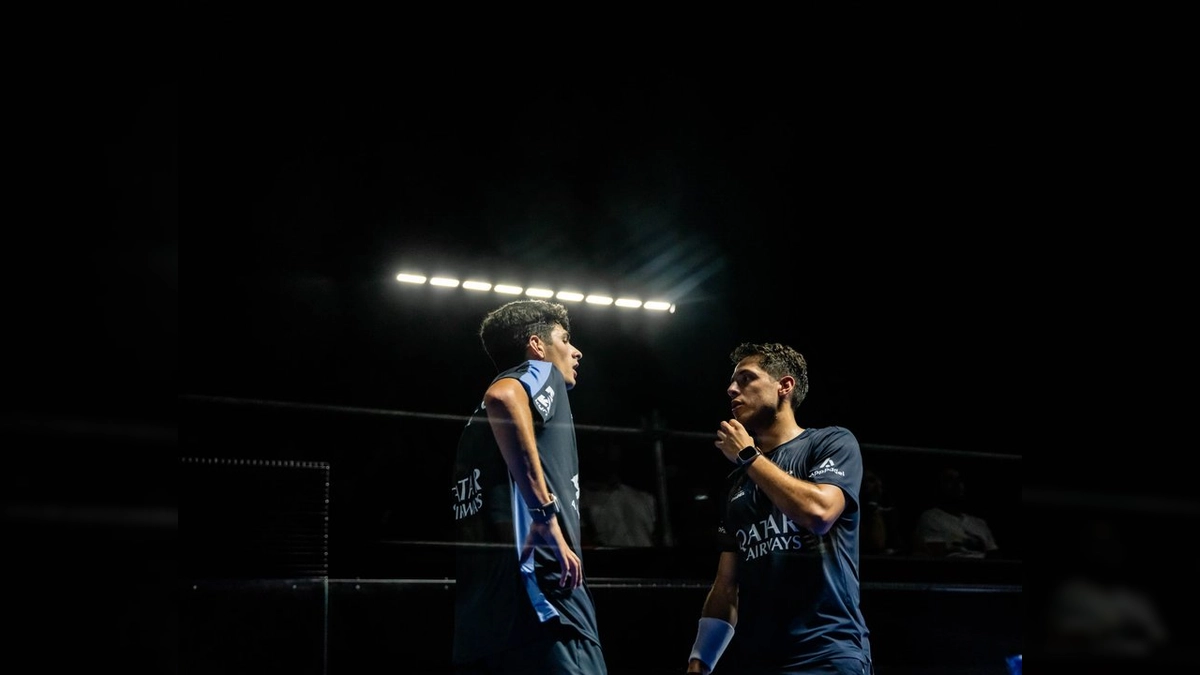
column 550, row 535
column 731, row 438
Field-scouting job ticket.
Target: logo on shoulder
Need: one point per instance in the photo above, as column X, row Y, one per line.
column 826, row 467
column 544, row 400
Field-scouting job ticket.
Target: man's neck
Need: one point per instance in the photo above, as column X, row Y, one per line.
column 782, row 430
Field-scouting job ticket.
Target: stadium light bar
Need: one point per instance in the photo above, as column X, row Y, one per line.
column 536, row 292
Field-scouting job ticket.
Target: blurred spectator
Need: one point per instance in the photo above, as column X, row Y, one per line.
column 1099, row 609
column 613, row 512
column 945, row 530
column 881, row 531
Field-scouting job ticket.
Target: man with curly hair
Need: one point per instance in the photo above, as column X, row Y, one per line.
column 522, row 603
column 786, row 596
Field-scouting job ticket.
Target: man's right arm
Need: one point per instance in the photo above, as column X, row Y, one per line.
column 511, row 420
column 507, row 405
column 717, row 618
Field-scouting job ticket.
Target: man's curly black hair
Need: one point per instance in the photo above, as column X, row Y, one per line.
column 778, row 360
column 505, row 330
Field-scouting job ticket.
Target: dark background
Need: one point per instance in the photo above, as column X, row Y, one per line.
column 863, row 222
column 811, row 183
column 917, row 198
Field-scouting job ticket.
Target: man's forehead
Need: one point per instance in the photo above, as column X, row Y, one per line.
column 750, row 363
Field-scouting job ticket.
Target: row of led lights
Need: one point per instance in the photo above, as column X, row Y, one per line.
column 506, row 289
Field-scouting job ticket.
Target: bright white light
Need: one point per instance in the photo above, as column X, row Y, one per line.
column 535, row 292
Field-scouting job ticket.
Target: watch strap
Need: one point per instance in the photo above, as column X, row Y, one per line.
column 546, row 512
column 748, row 454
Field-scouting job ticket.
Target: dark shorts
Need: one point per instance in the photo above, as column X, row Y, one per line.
column 561, row 651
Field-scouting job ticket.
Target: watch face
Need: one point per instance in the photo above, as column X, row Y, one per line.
column 746, row 454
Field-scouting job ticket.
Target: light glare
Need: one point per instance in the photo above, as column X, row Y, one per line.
column 535, row 292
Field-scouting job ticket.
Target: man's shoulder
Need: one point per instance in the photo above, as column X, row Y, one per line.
column 512, row 372
column 530, row 375
column 832, row 434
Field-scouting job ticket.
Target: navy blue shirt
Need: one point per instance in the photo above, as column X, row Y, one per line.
column 500, row 603
column 798, row 593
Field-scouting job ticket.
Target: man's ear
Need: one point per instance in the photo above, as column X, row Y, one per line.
column 536, row 348
column 786, row 384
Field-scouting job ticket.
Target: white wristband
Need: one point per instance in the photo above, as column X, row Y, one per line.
column 712, row 637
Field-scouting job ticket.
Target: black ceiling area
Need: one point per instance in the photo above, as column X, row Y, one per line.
column 861, row 229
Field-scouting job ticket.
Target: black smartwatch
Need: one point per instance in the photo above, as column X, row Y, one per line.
column 546, row 512
column 748, row 454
